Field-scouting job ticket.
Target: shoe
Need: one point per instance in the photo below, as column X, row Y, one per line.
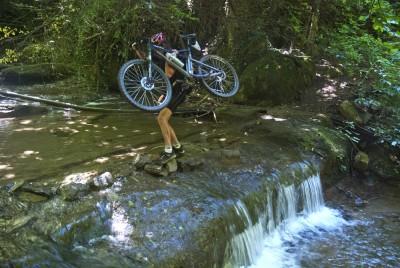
column 178, row 151
column 166, row 157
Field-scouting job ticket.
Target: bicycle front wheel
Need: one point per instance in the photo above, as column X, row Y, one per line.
column 222, row 80
column 142, row 91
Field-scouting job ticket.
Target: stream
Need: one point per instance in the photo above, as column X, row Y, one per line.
column 266, row 209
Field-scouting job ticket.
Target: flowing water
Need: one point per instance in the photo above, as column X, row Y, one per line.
column 298, row 230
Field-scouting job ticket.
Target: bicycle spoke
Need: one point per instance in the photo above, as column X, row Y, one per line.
column 131, row 73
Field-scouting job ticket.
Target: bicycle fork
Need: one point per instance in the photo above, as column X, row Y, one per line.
column 149, row 59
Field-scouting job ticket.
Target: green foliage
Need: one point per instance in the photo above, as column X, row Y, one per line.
column 93, row 36
column 367, row 43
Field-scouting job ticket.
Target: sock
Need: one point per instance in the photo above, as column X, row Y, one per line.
column 177, row 145
column 168, row 149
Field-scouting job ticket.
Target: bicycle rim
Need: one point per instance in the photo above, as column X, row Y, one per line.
column 147, row 93
column 225, row 84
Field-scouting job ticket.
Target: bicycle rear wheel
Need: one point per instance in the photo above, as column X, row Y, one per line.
column 147, row 93
column 222, row 82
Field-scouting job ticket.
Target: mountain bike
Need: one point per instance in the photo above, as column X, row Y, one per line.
column 147, row 87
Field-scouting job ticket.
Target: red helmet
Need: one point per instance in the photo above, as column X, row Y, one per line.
column 158, row 38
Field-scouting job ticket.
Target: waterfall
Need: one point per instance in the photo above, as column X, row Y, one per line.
column 289, row 210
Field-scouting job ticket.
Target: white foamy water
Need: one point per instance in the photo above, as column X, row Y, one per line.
column 271, row 241
column 277, row 245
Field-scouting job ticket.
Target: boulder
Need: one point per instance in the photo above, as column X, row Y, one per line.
column 361, row 161
column 35, row 73
column 349, row 112
column 273, row 79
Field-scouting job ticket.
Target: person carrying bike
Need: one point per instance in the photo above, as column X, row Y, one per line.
column 148, row 87
column 180, row 90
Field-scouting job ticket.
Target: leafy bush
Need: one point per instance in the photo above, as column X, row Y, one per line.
column 368, row 45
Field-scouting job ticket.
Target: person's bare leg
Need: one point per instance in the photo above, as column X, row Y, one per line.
column 162, row 120
column 174, row 139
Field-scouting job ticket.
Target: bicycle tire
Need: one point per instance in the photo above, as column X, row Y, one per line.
column 226, row 86
column 130, row 80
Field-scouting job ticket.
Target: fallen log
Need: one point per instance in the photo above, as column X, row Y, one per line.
column 13, row 95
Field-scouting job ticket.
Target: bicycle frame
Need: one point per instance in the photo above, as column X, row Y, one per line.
column 188, row 71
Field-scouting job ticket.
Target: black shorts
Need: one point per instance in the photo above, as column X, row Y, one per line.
column 179, row 94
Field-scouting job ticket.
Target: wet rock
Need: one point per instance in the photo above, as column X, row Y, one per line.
column 31, row 197
column 14, row 185
column 361, row 161
column 142, row 160
column 17, row 223
column 35, row 73
column 349, row 112
column 190, row 164
column 76, row 186
column 47, row 189
column 172, row 166
column 103, row 181
column 157, row 170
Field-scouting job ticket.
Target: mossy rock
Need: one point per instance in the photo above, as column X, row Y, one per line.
column 361, row 161
column 274, row 79
column 349, row 112
column 35, row 73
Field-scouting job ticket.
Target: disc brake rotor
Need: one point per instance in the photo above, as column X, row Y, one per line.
column 146, row 83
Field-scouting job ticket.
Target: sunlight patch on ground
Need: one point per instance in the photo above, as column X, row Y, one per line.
column 29, row 129
column 6, row 167
column 9, row 176
column 124, row 156
column 270, row 117
column 25, row 122
column 101, row 160
column 28, row 153
column 103, row 143
column 328, row 92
